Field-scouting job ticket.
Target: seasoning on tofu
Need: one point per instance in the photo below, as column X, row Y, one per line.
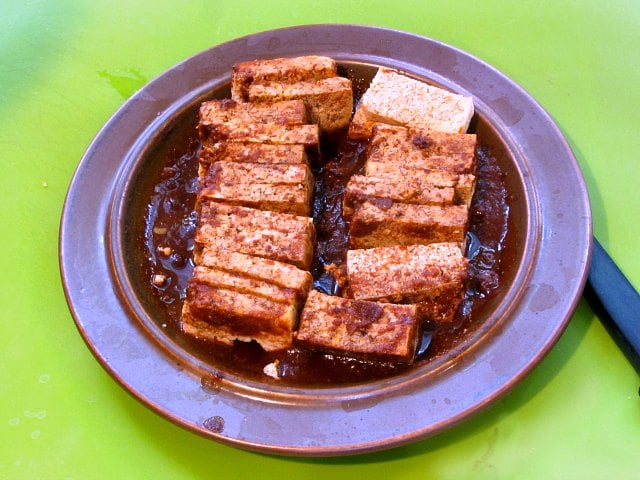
column 279, row 188
column 375, row 224
column 254, row 153
column 432, row 274
column 397, row 140
column 309, row 67
column 288, row 112
column 463, row 185
column 234, row 296
column 273, row 133
column 359, row 328
column 329, row 101
column 416, row 189
column 277, row 236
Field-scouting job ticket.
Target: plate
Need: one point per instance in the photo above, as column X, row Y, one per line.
column 550, row 231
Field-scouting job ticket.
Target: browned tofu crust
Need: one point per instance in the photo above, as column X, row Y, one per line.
column 254, row 153
column 291, row 70
column 277, row 236
column 271, row 133
column 421, row 149
column 288, row 112
column 462, row 184
column 234, row 296
column 383, row 225
column 279, row 188
column 415, row 189
column 435, row 273
column 398, row 138
column 359, row 328
column 224, row 315
column 291, row 280
column 329, row 101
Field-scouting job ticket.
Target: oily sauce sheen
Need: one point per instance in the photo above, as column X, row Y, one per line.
column 168, row 240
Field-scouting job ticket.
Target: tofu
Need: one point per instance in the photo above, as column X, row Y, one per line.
column 276, row 236
column 254, row 153
column 463, row 185
column 224, row 315
column 270, row 133
column 417, row 149
column 359, row 328
column 385, row 190
column 279, row 188
column 397, row 99
column 234, row 296
column 288, row 277
column 375, row 225
column 397, row 140
column 310, row 67
column 432, row 276
column 329, row 101
column 289, row 112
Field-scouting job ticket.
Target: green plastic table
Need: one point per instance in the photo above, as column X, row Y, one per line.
column 66, row 67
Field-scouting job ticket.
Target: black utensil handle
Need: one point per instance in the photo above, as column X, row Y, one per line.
column 616, row 294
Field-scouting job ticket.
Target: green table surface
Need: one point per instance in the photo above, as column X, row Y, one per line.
column 66, row 67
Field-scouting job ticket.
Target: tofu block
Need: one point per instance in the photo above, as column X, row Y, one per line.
column 433, row 151
column 375, row 225
column 388, row 189
column 397, row 99
column 291, row 279
column 432, row 276
column 223, row 315
column 310, row 67
column 233, row 296
column 359, row 328
column 279, row 188
column 398, row 140
column 329, row 101
column 276, row 236
column 271, row 133
column 254, row 153
column 288, row 112
column 463, row 185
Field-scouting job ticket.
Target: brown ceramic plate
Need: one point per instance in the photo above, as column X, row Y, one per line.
column 550, row 243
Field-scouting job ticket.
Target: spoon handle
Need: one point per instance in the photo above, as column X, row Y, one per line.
column 617, row 295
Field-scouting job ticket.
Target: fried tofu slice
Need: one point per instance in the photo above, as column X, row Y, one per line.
column 293, row 281
column 254, row 153
column 233, row 296
column 381, row 225
column 276, row 236
column 453, row 162
column 303, row 68
column 271, row 133
column 432, row 276
column 288, row 112
column 419, row 149
column 421, row 189
column 397, row 99
column 329, row 101
column 279, row 188
column 359, row 328
column 222, row 315
column 463, row 185
column 397, row 140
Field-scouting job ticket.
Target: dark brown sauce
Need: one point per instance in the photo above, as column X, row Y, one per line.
column 168, row 244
